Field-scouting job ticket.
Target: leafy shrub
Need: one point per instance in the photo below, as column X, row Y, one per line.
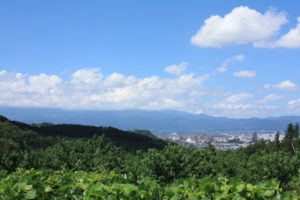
column 41, row 184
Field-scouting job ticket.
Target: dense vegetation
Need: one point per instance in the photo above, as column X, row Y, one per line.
column 43, row 184
column 46, row 161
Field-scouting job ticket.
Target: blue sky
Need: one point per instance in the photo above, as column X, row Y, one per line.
column 234, row 58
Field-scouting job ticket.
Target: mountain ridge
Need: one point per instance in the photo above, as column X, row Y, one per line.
column 156, row 121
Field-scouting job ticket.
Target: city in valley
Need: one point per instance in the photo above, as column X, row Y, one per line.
column 223, row 141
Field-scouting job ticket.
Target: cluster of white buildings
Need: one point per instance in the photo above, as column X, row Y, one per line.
column 222, row 141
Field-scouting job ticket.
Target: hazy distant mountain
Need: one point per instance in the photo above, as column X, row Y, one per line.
column 156, row 121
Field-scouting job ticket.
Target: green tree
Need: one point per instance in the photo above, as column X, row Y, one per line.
column 288, row 139
column 296, row 130
column 277, row 142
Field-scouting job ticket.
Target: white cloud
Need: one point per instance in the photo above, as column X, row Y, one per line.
column 243, row 105
column 234, row 106
column 45, row 83
column 242, row 25
column 284, row 85
column 245, row 74
column 225, row 64
column 10, row 76
column 243, row 110
column 269, row 98
column 289, row 40
column 88, row 76
column 118, row 80
column 294, row 102
column 238, row 107
column 238, row 97
column 176, row 69
column 294, row 106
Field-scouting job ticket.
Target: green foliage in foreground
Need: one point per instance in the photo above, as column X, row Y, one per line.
column 41, row 184
column 123, row 165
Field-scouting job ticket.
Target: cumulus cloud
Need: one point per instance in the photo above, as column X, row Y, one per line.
column 284, row 85
column 245, row 74
column 90, row 89
column 224, row 66
column 44, row 83
column 288, row 40
column 242, row 25
column 10, row 77
column 89, row 75
column 176, row 69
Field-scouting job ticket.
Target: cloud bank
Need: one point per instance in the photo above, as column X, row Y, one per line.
column 90, row 89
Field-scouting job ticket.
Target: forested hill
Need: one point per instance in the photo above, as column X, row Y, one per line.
column 133, row 140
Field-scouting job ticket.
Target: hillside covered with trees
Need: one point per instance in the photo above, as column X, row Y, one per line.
column 48, row 161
